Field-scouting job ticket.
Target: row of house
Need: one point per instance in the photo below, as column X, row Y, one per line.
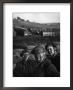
column 19, row 31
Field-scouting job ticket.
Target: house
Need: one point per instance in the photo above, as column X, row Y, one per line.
column 48, row 33
column 21, row 31
column 26, row 33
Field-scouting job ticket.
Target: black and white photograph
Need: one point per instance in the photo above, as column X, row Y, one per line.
column 36, row 44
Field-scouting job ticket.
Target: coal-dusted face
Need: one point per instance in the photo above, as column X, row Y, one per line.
column 29, row 56
column 52, row 50
column 41, row 56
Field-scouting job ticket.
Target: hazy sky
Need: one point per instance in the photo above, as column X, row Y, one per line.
column 53, row 17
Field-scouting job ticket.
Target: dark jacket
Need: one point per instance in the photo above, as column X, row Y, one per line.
column 32, row 68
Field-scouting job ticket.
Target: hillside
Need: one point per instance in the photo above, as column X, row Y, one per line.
column 35, row 26
column 32, row 27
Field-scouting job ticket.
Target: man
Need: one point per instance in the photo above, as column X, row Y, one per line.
column 54, row 55
column 44, row 68
column 36, row 66
column 25, row 67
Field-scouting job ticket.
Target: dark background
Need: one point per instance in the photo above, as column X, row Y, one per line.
column 1, row 40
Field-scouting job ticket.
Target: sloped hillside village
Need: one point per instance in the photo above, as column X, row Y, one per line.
column 25, row 28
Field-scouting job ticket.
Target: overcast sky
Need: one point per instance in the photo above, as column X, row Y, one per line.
column 53, row 17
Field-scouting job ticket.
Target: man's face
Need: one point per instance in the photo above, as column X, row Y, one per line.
column 41, row 56
column 52, row 50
